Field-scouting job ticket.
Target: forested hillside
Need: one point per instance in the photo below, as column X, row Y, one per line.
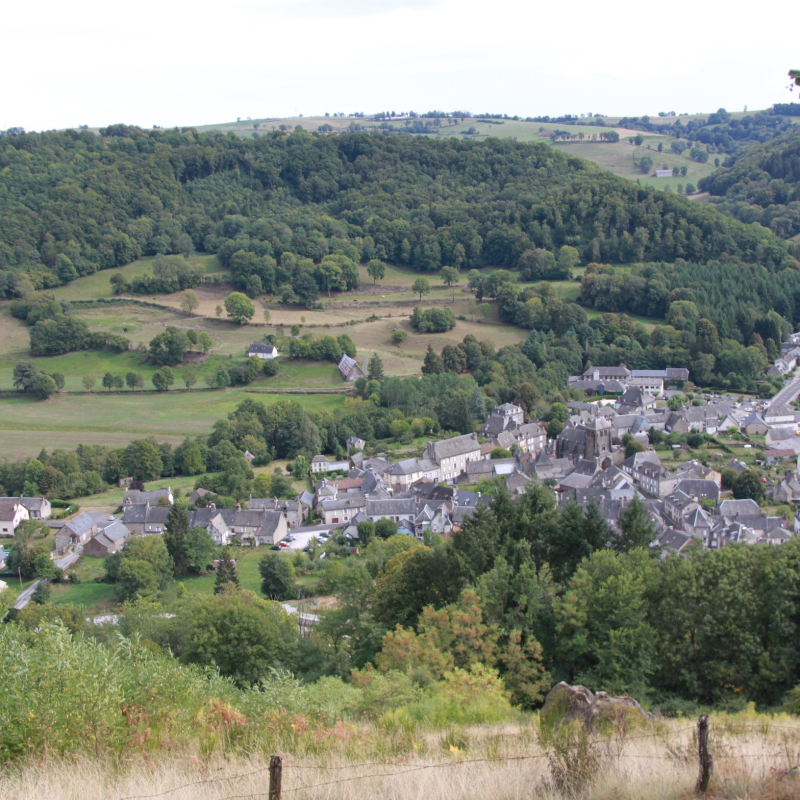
column 72, row 202
column 762, row 185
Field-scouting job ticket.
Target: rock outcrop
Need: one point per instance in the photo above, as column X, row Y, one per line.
column 566, row 703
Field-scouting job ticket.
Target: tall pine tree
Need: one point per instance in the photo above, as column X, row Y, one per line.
column 375, row 370
column 175, row 539
column 433, row 364
column 226, row 571
column 636, row 527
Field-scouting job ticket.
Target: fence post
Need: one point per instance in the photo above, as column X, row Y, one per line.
column 704, row 755
column 275, row 770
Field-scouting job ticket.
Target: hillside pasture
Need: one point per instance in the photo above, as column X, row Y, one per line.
column 93, row 287
column 69, row 419
column 622, row 158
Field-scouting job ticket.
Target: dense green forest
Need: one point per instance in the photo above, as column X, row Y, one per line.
column 761, row 184
column 72, row 202
column 738, row 298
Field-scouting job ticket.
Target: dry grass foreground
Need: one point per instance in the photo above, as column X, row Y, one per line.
column 754, row 757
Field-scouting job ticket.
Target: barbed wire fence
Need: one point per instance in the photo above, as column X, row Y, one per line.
column 277, row 764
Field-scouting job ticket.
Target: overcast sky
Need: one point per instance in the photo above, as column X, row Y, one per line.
column 176, row 63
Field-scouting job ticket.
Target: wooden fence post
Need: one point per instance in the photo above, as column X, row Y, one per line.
column 275, row 770
column 704, row 755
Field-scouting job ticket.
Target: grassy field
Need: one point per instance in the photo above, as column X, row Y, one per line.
column 69, row 419
column 622, row 158
column 754, row 756
column 98, row 285
column 99, row 598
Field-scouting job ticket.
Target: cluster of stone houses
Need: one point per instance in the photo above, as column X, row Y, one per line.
column 585, row 463
column 617, row 380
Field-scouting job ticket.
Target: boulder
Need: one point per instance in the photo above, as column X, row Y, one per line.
column 566, row 703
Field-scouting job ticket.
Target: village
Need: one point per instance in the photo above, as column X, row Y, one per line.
column 636, row 435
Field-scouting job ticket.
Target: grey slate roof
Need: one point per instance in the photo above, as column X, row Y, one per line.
column 698, row 488
column 391, row 508
column 113, row 531
column 82, row 523
column 269, row 349
column 458, row 445
column 31, row 503
column 152, row 496
column 735, row 508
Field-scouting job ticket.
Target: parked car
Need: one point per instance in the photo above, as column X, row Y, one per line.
column 275, row 547
column 283, row 544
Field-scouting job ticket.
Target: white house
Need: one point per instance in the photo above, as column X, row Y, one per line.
column 12, row 513
column 404, row 473
column 321, row 464
column 38, row 507
column 264, row 351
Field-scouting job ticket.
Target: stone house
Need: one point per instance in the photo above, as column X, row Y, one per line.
column 142, row 519
column 110, row 539
column 787, row 490
column 293, row 510
column 136, row 496
column 76, row 532
column 342, row 510
column 453, row 454
column 648, row 474
column 404, row 473
column 401, row 511
column 754, row 425
column 210, row 519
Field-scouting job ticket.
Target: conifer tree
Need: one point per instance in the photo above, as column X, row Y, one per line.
column 226, row 571
column 636, row 527
column 433, row 364
column 375, row 371
column 175, row 538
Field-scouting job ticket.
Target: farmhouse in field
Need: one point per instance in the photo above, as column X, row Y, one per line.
column 349, row 369
column 264, row 351
column 663, row 173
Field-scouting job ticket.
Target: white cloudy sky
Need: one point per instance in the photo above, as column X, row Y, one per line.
column 166, row 62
